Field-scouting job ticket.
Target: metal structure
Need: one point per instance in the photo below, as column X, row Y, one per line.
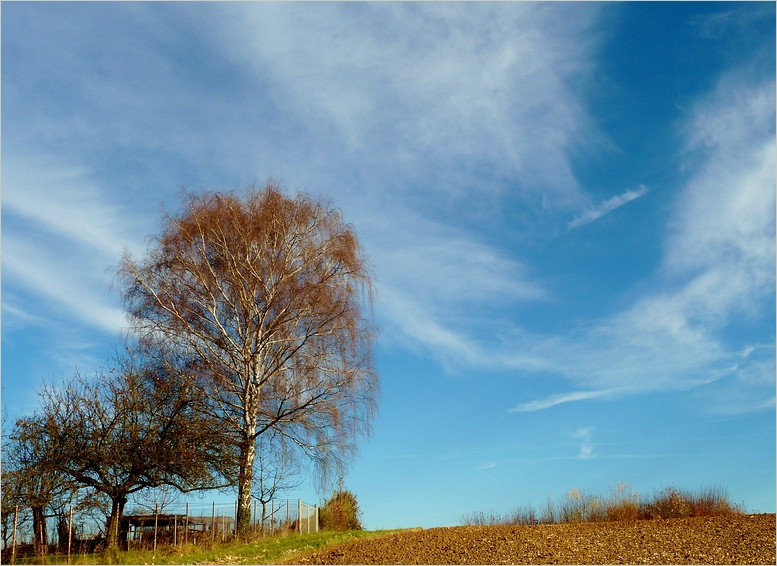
column 193, row 522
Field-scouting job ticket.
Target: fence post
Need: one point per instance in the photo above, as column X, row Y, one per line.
column 13, row 547
column 43, row 541
column 69, row 533
column 299, row 516
column 316, row 508
column 186, row 525
column 156, row 525
column 175, row 530
column 213, row 523
column 288, row 519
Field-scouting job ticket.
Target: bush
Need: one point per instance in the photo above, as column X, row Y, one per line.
column 341, row 512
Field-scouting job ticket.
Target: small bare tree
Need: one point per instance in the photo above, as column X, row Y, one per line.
column 267, row 294
column 159, row 499
column 276, row 470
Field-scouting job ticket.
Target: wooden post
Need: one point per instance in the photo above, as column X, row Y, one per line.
column 156, row 525
column 186, row 526
column 42, row 541
column 13, row 547
column 175, row 530
column 69, row 534
column 299, row 516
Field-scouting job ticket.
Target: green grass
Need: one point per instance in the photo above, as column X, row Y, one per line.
column 622, row 504
column 261, row 551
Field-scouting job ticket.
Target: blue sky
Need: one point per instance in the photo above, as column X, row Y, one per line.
column 570, row 208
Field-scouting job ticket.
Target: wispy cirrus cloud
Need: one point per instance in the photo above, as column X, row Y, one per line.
column 553, row 400
column 78, row 286
column 65, row 203
column 60, row 240
column 433, row 277
column 718, row 24
column 606, row 207
column 718, row 268
column 425, row 85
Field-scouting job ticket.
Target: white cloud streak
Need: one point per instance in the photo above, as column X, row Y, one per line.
column 74, row 287
column 60, row 241
column 606, row 207
column 719, row 266
column 723, row 233
column 431, row 277
column 65, row 203
column 718, row 24
column 553, row 400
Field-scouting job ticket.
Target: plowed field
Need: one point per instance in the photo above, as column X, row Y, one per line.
column 732, row 539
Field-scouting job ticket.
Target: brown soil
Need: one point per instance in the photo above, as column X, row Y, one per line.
column 731, row 539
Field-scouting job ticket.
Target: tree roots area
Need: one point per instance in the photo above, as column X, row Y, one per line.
column 730, row 539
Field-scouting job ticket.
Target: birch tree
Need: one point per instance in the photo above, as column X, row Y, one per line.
column 267, row 294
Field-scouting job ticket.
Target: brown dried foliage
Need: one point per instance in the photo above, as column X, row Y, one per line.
column 340, row 512
column 623, row 504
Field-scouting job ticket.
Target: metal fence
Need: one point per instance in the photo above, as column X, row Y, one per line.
column 193, row 522
column 181, row 523
column 307, row 518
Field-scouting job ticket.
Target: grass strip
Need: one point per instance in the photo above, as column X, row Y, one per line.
column 268, row 550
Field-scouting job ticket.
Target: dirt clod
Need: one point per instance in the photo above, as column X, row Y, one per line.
column 730, row 539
